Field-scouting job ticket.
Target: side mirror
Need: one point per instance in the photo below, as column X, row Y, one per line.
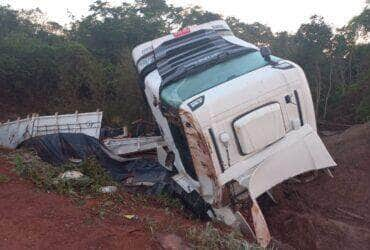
column 266, row 53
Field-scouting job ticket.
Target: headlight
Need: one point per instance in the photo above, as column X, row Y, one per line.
column 196, row 103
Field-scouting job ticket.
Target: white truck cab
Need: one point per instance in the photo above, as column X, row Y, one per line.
column 235, row 119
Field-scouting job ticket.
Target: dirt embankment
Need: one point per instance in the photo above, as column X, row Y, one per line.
column 329, row 213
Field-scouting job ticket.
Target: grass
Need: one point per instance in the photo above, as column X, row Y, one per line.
column 4, row 178
column 211, row 238
column 150, row 224
column 168, row 201
column 47, row 177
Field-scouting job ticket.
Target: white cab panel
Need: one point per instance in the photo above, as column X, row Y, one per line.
column 302, row 152
column 259, row 128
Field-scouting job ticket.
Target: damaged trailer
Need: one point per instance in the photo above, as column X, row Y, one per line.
column 235, row 118
column 13, row 133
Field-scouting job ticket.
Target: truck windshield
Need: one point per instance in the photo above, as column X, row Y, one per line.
column 175, row 93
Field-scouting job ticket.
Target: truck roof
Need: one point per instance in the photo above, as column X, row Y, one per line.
column 189, row 51
column 145, row 48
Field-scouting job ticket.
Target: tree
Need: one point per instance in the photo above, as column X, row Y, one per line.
column 256, row 33
column 313, row 41
column 196, row 15
column 284, row 45
column 89, row 65
column 359, row 26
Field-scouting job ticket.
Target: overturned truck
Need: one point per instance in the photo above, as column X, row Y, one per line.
column 236, row 119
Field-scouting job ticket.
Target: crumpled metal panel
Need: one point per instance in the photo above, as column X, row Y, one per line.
column 307, row 153
column 261, row 230
column 201, row 155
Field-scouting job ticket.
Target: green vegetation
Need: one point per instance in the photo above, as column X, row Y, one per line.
column 211, row 238
column 168, row 201
column 150, row 224
column 48, row 177
column 3, row 178
column 88, row 65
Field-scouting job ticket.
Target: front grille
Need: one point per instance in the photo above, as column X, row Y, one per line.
column 193, row 53
column 190, row 54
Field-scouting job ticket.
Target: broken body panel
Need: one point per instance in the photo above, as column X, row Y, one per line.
column 254, row 128
column 15, row 132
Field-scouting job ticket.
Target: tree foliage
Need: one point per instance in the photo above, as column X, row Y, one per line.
column 46, row 68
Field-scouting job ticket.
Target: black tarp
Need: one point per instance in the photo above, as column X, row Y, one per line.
column 59, row 149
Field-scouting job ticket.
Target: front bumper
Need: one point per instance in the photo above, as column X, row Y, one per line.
column 298, row 152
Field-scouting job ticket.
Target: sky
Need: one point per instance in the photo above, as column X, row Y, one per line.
column 279, row 15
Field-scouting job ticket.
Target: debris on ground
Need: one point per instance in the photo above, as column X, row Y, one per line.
column 58, row 149
column 71, row 175
column 131, row 216
column 86, row 178
column 108, row 189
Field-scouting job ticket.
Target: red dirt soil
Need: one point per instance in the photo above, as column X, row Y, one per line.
column 326, row 213
column 31, row 218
